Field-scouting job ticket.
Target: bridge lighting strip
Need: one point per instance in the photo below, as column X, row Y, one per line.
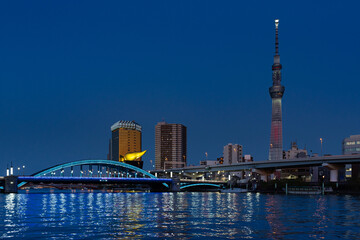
column 200, row 184
column 87, row 179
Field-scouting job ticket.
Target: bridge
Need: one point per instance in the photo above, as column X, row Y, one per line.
column 100, row 173
column 266, row 168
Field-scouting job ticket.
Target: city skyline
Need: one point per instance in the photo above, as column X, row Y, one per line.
column 65, row 78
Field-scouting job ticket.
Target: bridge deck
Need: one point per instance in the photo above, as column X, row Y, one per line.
column 273, row 164
column 92, row 180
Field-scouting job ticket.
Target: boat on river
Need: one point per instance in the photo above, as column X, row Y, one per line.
column 308, row 190
column 233, row 190
column 312, row 190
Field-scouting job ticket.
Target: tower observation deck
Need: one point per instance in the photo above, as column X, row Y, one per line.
column 276, row 93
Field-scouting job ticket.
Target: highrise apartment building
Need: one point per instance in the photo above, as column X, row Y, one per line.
column 125, row 138
column 170, row 146
column 276, row 93
column 233, row 153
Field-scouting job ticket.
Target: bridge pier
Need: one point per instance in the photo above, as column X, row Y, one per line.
column 334, row 171
column 264, row 174
column 334, row 175
column 11, row 184
column 175, row 185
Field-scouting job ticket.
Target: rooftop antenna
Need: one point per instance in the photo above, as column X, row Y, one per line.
column 277, row 37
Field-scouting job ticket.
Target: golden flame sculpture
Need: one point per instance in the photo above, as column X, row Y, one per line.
column 133, row 156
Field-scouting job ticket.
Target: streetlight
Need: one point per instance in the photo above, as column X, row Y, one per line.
column 321, row 143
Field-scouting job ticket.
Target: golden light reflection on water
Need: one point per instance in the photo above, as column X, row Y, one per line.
column 320, row 227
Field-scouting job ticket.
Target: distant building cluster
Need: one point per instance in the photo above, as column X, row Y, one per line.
column 171, row 144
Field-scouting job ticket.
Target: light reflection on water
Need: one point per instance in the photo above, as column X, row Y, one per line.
column 101, row 215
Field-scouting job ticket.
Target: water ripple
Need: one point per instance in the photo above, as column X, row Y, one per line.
column 102, row 215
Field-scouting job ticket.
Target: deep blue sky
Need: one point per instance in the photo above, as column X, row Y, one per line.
column 69, row 70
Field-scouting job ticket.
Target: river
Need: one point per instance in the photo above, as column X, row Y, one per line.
column 188, row 215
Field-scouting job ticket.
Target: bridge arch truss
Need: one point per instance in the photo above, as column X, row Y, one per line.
column 117, row 168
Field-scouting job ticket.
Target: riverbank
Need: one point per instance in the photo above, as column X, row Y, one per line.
column 281, row 187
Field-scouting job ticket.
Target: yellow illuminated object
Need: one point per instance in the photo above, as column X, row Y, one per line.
column 133, row 156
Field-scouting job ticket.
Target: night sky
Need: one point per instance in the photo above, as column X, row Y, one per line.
column 70, row 69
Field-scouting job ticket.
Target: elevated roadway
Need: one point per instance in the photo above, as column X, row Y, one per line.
column 274, row 164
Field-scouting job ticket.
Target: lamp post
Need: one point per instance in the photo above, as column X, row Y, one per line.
column 321, row 146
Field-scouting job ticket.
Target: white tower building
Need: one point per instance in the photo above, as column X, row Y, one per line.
column 233, row 153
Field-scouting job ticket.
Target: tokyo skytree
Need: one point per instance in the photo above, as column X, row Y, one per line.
column 276, row 93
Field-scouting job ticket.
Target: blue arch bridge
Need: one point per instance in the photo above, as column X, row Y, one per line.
column 100, row 174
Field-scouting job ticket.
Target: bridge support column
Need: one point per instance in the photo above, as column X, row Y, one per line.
column 175, row 186
column 334, row 175
column 264, row 177
column 264, row 174
column 11, row 184
column 334, row 171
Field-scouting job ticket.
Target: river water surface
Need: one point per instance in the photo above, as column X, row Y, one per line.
column 101, row 215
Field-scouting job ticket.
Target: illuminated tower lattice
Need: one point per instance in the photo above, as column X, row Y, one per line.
column 276, row 93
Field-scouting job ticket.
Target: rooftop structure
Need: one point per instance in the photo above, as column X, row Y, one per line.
column 128, row 125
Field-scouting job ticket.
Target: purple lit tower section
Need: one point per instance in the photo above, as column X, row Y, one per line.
column 276, row 93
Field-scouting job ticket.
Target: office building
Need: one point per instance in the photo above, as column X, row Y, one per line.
column 233, row 153
column 276, row 93
column 351, row 145
column 125, row 139
column 170, row 146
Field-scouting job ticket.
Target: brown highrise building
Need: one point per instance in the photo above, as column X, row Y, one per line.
column 170, row 146
column 125, row 138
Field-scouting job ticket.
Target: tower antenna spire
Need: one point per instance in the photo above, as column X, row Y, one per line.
column 276, row 93
column 276, row 36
